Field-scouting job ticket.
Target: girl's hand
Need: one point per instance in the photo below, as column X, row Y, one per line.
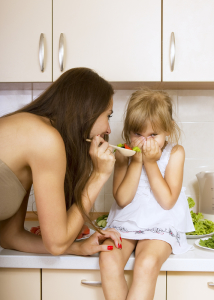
column 151, row 151
column 102, row 157
column 138, row 142
column 94, row 245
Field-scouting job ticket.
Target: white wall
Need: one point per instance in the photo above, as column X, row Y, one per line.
column 194, row 110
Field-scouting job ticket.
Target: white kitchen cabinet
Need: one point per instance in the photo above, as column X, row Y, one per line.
column 121, row 40
column 20, row 284
column 190, row 285
column 22, row 23
column 193, row 25
column 66, row 285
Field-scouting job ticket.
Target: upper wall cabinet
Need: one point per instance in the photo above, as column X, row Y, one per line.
column 121, row 39
column 22, row 22
column 188, row 40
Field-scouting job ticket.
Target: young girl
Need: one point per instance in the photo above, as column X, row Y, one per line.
column 151, row 210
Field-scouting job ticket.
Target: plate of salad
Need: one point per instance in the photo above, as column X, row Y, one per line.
column 203, row 227
column 206, row 243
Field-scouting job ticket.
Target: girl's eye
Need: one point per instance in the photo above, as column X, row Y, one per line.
column 138, row 134
column 109, row 116
column 153, row 134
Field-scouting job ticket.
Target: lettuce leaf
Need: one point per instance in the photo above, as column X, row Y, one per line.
column 202, row 226
column 121, row 145
column 209, row 243
column 137, row 149
column 191, row 202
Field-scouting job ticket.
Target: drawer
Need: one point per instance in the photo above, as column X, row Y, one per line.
column 190, row 285
column 67, row 285
column 22, row 284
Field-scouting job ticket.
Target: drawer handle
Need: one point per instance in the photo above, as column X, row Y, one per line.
column 61, row 52
column 91, row 283
column 172, row 51
column 41, row 52
column 210, row 283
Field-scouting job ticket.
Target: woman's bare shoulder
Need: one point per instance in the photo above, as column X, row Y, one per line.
column 36, row 135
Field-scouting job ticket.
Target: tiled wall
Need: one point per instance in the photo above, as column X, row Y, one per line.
column 194, row 111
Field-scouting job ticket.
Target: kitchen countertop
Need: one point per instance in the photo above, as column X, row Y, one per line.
column 197, row 260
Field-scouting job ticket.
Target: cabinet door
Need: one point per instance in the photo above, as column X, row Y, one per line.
column 190, row 285
column 121, row 40
column 22, row 284
column 193, row 25
column 22, row 23
column 66, row 285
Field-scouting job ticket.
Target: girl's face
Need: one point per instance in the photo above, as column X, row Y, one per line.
column 158, row 136
column 101, row 125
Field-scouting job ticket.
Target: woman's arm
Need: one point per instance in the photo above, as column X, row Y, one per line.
column 14, row 236
column 126, row 178
column 166, row 190
column 48, row 167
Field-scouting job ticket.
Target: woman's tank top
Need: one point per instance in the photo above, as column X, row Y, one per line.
column 12, row 192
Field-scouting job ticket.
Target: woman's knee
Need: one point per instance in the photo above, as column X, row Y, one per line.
column 111, row 261
column 147, row 265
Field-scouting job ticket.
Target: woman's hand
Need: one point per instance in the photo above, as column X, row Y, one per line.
column 102, row 157
column 94, row 245
column 151, row 151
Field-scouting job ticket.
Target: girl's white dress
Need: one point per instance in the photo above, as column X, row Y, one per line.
column 144, row 218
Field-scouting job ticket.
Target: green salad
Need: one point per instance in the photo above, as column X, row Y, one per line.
column 202, row 226
column 209, row 243
column 102, row 221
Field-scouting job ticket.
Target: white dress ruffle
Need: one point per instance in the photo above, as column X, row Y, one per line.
column 144, row 218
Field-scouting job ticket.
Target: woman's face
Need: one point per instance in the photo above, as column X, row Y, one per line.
column 101, row 125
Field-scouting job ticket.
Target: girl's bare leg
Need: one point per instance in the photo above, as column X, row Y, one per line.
column 112, row 265
column 149, row 257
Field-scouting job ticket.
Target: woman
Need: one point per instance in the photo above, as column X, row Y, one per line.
column 44, row 144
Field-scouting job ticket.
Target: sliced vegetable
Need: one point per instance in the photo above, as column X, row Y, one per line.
column 102, row 221
column 36, row 230
column 84, row 231
column 127, row 147
column 137, row 149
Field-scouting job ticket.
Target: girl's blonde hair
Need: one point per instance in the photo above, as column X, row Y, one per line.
column 145, row 106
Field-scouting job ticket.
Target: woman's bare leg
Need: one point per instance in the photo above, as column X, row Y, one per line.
column 112, row 270
column 149, row 257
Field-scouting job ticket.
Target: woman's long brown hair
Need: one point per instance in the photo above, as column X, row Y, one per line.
column 73, row 103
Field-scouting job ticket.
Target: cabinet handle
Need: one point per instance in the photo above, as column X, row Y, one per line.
column 61, row 51
column 210, row 283
column 172, row 51
column 91, row 283
column 41, row 51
